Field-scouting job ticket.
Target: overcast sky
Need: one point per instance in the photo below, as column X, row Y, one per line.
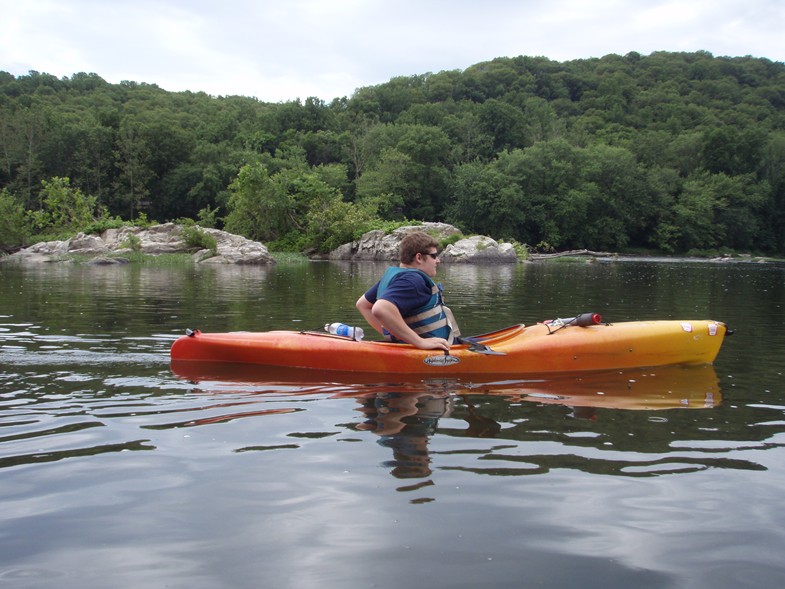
column 288, row 49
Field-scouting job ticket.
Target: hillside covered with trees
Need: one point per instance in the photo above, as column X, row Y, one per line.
column 673, row 152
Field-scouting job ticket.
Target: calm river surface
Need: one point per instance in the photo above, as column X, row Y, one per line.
column 117, row 472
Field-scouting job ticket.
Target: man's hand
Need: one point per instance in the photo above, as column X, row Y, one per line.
column 433, row 343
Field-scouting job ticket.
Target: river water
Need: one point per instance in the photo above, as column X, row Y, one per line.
column 117, row 472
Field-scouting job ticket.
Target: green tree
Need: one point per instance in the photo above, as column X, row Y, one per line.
column 293, row 208
column 694, row 219
column 773, row 171
column 469, row 140
column 134, row 173
column 66, row 208
column 742, row 216
column 505, row 123
column 331, row 222
column 429, row 150
column 14, row 229
column 258, row 209
column 486, row 201
column 386, row 188
column 540, row 121
column 616, row 205
column 30, row 124
column 93, row 156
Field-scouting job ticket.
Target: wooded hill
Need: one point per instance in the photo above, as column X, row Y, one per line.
column 671, row 152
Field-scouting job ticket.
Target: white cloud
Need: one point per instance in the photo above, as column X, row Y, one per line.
column 280, row 51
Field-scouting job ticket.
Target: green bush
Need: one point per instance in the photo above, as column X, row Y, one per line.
column 195, row 237
column 450, row 240
column 101, row 225
column 14, row 226
column 133, row 242
column 208, row 217
column 65, row 207
column 521, row 249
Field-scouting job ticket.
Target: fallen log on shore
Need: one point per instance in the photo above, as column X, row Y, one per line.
column 571, row 253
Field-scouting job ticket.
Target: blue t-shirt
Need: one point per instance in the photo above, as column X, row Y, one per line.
column 407, row 290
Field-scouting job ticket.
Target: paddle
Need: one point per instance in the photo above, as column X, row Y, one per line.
column 474, row 346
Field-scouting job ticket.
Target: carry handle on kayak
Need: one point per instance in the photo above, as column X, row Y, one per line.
column 582, row 320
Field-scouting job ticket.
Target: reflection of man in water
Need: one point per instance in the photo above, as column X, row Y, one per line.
column 405, row 422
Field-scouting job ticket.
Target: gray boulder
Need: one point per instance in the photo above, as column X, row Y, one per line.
column 234, row 249
column 378, row 246
column 479, row 249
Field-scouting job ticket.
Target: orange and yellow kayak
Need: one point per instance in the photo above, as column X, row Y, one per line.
column 515, row 350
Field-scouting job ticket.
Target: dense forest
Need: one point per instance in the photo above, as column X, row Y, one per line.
column 670, row 152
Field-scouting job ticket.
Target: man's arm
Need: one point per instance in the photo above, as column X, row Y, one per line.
column 387, row 314
column 365, row 308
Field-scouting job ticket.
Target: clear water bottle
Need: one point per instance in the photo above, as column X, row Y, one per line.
column 356, row 333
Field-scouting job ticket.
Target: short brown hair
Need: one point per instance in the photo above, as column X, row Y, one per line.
column 415, row 243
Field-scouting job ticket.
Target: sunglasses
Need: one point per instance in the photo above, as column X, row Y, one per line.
column 434, row 256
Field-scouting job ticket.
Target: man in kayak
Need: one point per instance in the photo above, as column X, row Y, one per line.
column 406, row 304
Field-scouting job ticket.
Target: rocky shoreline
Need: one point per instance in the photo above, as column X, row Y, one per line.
column 112, row 245
column 168, row 238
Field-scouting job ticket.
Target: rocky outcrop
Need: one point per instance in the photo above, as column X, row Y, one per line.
column 479, row 250
column 234, row 249
column 158, row 239
column 380, row 246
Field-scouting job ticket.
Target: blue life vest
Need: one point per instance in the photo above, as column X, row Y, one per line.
column 430, row 320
